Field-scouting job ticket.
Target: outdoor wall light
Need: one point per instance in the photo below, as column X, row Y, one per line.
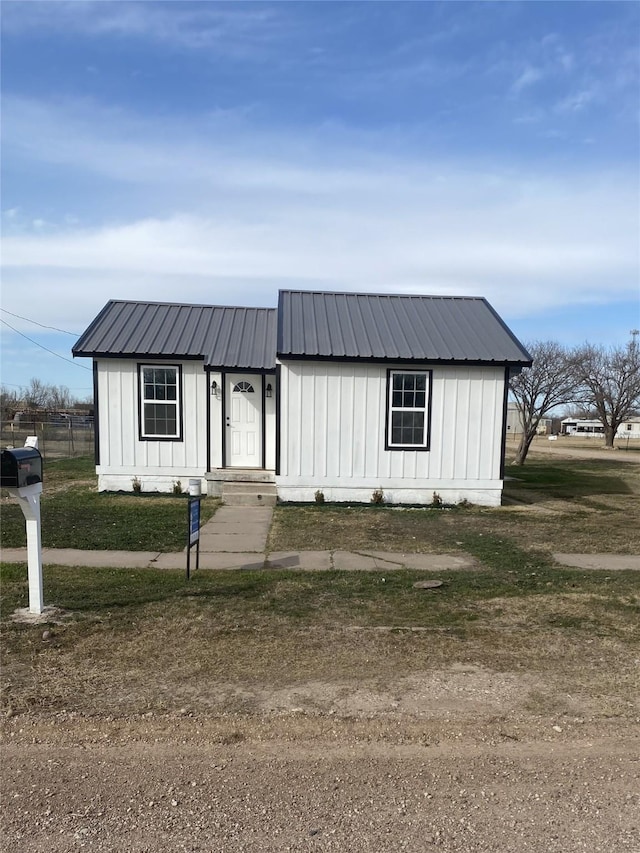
column 268, row 391
column 214, row 388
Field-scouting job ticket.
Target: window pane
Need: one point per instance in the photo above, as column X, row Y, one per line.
column 409, row 381
column 420, row 397
column 397, row 381
column 407, row 428
column 407, row 401
column 421, row 382
column 160, row 419
column 397, row 398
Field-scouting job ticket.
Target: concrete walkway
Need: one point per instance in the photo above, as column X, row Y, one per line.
column 603, row 562
column 236, row 538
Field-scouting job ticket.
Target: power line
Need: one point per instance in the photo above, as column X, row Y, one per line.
column 35, row 322
column 46, row 349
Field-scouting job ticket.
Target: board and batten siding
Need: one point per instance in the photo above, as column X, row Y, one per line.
column 332, row 435
column 157, row 464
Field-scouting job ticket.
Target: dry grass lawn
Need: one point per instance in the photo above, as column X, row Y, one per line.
column 519, row 636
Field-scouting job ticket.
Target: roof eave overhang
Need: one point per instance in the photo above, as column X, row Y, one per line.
column 512, row 365
column 236, row 368
column 149, row 356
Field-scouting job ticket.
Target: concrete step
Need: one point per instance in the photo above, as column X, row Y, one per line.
column 246, row 475
column 249, row 494
column 249, row 499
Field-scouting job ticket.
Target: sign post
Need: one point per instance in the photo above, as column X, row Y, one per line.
column 29, row 498
column 193, row 526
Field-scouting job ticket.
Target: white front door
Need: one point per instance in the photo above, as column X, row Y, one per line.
column 244, row 421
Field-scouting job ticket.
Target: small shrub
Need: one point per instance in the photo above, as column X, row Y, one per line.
column 377, row 497
column 136, row 484
column 177, row 488
column 319, row 497
column 436, row 500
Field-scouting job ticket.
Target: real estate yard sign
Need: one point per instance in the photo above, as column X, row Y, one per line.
column 193, row 518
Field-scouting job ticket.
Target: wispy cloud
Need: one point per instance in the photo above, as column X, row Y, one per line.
column 229, row 28
column 527, row 78
column 577, row 101
column 235, row 215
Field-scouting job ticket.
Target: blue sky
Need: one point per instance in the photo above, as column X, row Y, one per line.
column 214, row 152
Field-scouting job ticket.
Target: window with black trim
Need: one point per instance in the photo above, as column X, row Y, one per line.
column 160, row 392
column 408, row 412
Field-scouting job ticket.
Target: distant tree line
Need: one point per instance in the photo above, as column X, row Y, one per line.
column 37, row 396
column 603, row 382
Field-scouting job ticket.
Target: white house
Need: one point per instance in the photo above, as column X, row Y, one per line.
column 338, row 393
column 629, row 429
column 582, row 426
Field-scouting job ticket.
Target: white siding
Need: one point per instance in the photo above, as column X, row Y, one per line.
column 215, row 423
column 270, row 424
column 629, row 429
column 157, row 464
column 333, row 435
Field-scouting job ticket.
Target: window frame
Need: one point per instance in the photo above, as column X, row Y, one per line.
column 390, row 409
column 142, row 435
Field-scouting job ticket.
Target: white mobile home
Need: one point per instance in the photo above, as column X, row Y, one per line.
column 340, row 393
column 583, row 427
column 629, row 429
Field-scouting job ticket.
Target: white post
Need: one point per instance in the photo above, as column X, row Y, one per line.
column 29, row 499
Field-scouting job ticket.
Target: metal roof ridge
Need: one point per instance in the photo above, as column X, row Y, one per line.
column 170, row 304
column 368, row 294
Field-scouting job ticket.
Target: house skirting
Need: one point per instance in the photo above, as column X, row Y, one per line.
column 479, row 494
column 124, row 482
column 488, row 493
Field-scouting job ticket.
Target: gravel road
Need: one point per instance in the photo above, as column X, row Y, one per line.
column 178, row 784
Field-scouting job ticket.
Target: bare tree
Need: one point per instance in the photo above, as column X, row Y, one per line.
column 9, row 403
column 36, row 394
column 60, row 397
column 538, row 389
column 609, row 382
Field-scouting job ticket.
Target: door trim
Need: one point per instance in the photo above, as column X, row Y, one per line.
column 224, row 378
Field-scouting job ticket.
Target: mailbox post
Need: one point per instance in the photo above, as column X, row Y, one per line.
column 21, row 474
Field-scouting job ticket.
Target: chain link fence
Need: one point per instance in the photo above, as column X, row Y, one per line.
column 72, row 437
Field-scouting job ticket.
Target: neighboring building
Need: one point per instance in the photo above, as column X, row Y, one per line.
column 582, row 427
column 335, row 392
column 515, row 427
column 629, row 429
column 578, row 426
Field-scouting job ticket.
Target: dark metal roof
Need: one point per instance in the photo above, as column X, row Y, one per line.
column 394, row 328
column 309, row 324
column 221, row 336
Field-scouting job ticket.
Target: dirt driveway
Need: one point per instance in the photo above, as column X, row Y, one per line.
column 576, row 448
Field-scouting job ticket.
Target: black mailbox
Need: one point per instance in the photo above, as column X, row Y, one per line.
column 21, row 466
